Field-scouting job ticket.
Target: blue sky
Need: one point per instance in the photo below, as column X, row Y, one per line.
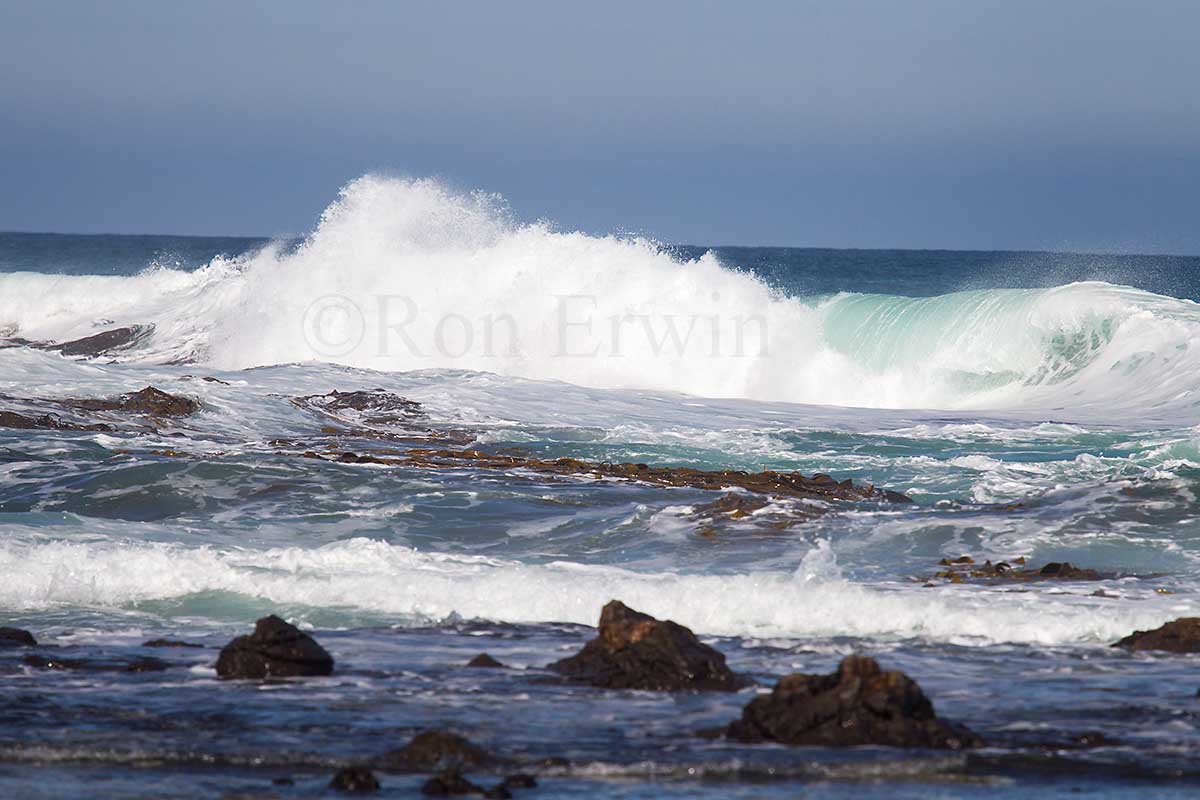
column 1065, row 125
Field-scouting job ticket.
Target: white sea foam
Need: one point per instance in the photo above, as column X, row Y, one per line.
column 407, row 274
column 368, row 575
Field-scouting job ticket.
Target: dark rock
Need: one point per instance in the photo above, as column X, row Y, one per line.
column 44, row 662
column 16, row 637
column 860, row 704
column 449, row 782
column 149, row 401
column 484, row 660
column 636, row 651
column 115, row 339
column 520, row 781
column 275, row 650
column 433, row 750
column 169, row 643
column 355, row 780
column 146, row 665
column 500, row 792
column 283, row 781
column 1178, row 636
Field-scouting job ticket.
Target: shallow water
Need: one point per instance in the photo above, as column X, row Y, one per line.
column 1025, row 415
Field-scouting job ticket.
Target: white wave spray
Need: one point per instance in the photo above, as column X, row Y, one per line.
column 407, row 274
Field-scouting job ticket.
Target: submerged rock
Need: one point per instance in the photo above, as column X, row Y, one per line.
column 1178, row 636
column 276, row 649
column 355, row 780
column 169, row 643
column 485, row 661
column 860, row 704
column 636, row 651
column 434, row 750
column 16, row 637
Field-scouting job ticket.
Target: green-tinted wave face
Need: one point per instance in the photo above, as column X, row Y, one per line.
column 1083, row 344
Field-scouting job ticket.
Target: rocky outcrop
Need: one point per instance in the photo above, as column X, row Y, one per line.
column 47, row 422
column 169, row 643
column 1178, row 636
column 276, row 649
column 436, row 750
column 636, row 651
column 860, row 704
column 355, row 780
column 16, row 637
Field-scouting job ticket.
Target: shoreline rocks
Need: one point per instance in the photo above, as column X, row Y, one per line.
column 636, row 651
column 859, row 704
column 276, row 649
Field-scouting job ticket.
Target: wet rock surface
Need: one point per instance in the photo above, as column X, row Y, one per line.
column 355, row 780
column 16, row 637
column 276, row 649
column 80, row 414
column 859, row 704
column 636, row 651
column 98, row 344
column 437, row 750
column 1178, row 636
column 377, row 414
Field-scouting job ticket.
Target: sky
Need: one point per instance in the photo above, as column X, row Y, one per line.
column 1069, row 125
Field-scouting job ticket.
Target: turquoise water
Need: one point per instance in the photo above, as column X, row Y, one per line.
column 1033, row 405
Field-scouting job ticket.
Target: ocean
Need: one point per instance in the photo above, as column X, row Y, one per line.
column 1034, row 408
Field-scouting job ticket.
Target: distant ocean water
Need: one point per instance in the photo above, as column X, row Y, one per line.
column 1033, row 405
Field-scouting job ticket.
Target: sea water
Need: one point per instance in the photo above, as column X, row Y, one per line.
column 1032, row 405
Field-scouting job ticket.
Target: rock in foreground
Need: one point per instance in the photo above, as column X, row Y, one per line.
column 860, row 704
column 636, row 651
column 276, row 649
column 1178, row 636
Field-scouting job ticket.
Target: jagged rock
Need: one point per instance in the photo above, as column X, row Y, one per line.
column 434, row 750
column 276, row 649
column 636, row 651
column 16, row 637
column 449, row 782
column 485, row 661
column 860, row 704
column 169, row 643
column 355, row 780
column 1178, row 636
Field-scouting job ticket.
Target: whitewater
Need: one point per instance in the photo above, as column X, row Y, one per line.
column 1032, row 408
